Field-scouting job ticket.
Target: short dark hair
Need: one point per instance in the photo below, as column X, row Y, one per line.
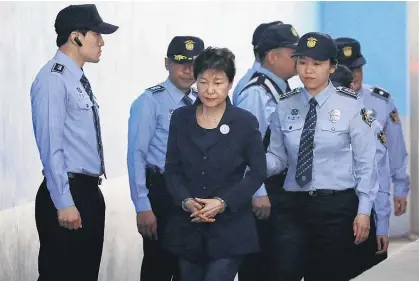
column 62, row 38
column 218, row 59
column 342, row 76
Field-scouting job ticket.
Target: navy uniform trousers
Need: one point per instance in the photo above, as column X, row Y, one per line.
column 71, row 255
column 158, row 264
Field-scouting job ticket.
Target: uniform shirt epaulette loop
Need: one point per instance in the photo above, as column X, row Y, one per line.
column 291, row 93
column 366, row 117
column 57, row 67
column 156, row 89
column 376, row 91
column 349, row 92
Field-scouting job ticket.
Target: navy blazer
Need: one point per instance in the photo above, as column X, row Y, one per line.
column 196, row 168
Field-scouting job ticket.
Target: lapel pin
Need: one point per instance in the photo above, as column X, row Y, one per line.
column 224, row 129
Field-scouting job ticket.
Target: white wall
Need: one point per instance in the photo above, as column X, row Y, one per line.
column 133, row 59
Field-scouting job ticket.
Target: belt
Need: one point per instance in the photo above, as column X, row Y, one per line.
column 92, row 179
column 328, row 192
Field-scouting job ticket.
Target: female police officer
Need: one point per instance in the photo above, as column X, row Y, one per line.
column 321, row 134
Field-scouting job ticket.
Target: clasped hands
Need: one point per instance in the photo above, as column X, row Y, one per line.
column 203, row 210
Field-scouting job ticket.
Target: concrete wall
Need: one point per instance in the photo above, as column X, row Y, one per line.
column 133, row 59
column 380, row 27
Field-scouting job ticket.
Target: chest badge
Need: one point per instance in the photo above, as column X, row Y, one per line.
column 334, row 115
column 371, row 113
column 224, row 129
column 294, row 111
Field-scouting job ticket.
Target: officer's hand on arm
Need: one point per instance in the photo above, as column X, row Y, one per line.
column 262, row 207
column 382, row 244
column 147, row 224
column 69, row 218
column 361, row 228
column 400, row 205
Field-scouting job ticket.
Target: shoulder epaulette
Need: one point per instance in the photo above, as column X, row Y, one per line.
column 260, row 79
column 57, row 67
column 376, row 91
column 156, row 89
column 348, row 92
column 290, row 93
column 368, row 119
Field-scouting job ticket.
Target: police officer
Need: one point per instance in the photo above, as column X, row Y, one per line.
column 380, row 105
column 374, row 250
column 69, row 206
column 321, row 134
column 260, row 96
column 147, row 142
column 256, row 64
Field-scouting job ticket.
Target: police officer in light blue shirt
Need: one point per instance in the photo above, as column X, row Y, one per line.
column 69, row 206
column 256, row 64
column 148, row 131
column 380, row 105
column 322, row 134
column 375, row 249
column 260, row 96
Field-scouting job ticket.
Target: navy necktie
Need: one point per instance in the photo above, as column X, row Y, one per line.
column 303, row 173
column 187, row 100
column 88, row 88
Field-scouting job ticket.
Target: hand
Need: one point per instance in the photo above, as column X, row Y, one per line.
column 361, row 228
column 147, row 224
column 382, row 244
column 69, row 218
column 211, row 208
column 400, row 205
column 262, row 207
column 193, row 206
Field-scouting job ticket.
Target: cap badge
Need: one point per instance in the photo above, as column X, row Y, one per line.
column 189, row 45
column 294, row 32
column 179, row 57
column 347, row 51
column 311, row 42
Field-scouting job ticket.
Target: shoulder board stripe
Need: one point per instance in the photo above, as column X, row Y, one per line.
column 291, row 93
column 380, row 93
column 349, row 92
column 156, row 89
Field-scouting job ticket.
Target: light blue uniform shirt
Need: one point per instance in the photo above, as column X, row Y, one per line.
column 243, row 81
column 381, row 109
column 148, row 131
column 344, row 145
column 64, row 127
column 261, row 104
column 382, row 205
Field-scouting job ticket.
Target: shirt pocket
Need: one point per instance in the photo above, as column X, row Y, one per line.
column 85, row 105
column 334, row 137
column 292, row 134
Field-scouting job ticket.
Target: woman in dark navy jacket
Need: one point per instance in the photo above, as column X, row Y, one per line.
column 211, row 145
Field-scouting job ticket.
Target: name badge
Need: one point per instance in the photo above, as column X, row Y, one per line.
column 293, row 118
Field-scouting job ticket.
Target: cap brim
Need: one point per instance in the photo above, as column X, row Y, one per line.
column 312, row 54
column 356, row 63
column 104, row 28
column 184, row 61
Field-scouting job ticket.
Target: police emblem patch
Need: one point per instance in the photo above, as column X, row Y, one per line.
column 371, row 113
column 334, row 115
column 365, row 117
column 78, row 90
column 395, row 116
column 294, row 111
column 347, row 51
column 382, row 137
column 189, row 45
column 311, row 42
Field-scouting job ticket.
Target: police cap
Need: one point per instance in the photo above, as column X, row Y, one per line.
column 349, row 52
column 75, row 17
column 278, row 36
column 257, row 34
column 316, row 45
column 342, row 76
column 184, row 49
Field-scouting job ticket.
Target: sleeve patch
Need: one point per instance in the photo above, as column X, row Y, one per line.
column 366, row 117
column 156, row 89
column 349, row 92
column 394, row 116
column 382, row 137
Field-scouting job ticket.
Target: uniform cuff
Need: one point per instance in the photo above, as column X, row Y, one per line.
column 260, row 192
column 365, row 205
column 401, row 192
column 62, row 201
column 382, row 226
column 142, row 204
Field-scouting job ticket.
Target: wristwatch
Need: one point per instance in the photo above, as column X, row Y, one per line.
column 223, row 202
column 183, row 204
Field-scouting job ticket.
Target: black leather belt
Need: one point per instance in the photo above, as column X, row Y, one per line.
column 328, row 192
column 84, row 177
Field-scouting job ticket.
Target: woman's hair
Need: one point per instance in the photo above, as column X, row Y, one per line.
column 218, row 59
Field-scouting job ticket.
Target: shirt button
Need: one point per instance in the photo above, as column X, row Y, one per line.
column 203, row 173
column 205, row 157
column 204, row 187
